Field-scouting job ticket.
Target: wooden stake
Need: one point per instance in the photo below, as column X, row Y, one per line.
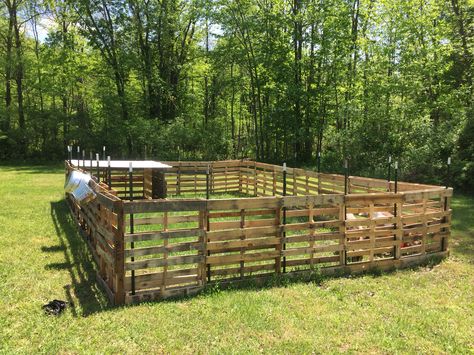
column 284, row 215
column 207, row 222
column 319, row 162
column 132, row 244
column 98, row 167
column 446, row 204
column 396, row 176
column 119, row 248
column 389, row 172
column 109, row 173
column 346, row 175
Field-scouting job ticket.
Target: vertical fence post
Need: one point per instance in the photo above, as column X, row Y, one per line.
column 241, row 190
column 398, row 227
column 90, row 161
column 284, row 216
column 104, row 157
column 342, row 233
column 295, row 191
column 346, row 175
column 69, row 153
column 84, row 160
column 178, row 179
column 119, row 248
column 202, row 267
column 448, row 173
column 396, row 177
column 195, row 179
column 389, row 171
column 211, row 178
column 444, row 245
column 78, row 155
column 255, row 178
column 319, row 172
column 207, row 181
column 397, row 249
column 207, row 221
column 208, row 228
column 319, row 162
column 109, row 173
column 98, row 167
column 132, row 244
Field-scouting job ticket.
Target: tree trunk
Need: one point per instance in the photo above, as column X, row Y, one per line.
column 352, row 63
column 19, row 76
column 297, row 48
column 8, row 73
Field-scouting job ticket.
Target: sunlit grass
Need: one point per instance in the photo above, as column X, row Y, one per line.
column 424, row 310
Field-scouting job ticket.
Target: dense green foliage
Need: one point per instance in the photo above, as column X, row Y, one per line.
column 273, row 80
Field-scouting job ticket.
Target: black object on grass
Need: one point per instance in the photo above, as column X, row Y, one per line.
column 55, row 307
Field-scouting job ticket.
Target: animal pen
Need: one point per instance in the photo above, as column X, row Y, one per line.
column 154, row 234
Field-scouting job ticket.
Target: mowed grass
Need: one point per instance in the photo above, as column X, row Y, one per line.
column 423, row 310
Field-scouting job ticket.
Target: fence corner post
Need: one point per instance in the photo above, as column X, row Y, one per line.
column 119, row 249
column 203, row 220
column 342, row 231
column 447, row 220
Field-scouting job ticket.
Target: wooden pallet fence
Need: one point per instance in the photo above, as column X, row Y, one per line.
column 426, row 221
column 168, row 250
column 312, row 234
column 101, row 224
column 188, row 178
column 243, row 237
column 179, row 245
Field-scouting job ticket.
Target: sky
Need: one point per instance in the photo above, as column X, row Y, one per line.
column 44, row 25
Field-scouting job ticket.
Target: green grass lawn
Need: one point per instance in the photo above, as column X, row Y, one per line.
column 423, row 310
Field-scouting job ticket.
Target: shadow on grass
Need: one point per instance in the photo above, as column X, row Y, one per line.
column 53, row 248
column 462, row 240
column 83, row 292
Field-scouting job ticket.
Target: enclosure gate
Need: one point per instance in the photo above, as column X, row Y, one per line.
column 161, row 257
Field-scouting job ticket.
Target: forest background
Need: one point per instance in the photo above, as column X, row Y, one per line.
column 275, row 81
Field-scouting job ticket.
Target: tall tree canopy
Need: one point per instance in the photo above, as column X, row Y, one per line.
column 275, row 80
